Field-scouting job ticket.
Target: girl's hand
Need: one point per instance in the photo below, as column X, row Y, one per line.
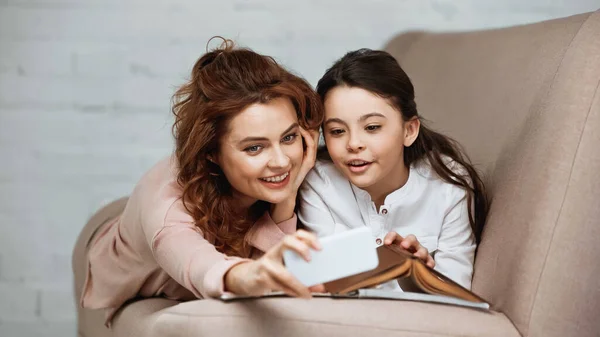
column 268, row 273
column 412, row 245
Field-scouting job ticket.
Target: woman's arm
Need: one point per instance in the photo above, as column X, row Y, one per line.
column 268, row 272
column 183, row 252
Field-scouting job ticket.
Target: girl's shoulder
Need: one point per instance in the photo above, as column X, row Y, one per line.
column 325, row 175
column 430, row 178
column 425, row 169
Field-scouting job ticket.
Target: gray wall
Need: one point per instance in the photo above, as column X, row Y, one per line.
column 84, row 105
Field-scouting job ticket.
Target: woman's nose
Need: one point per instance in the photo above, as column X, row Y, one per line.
column 279, row 159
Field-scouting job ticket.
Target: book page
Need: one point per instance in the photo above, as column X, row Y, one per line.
column 227, row 297
column 410, row 296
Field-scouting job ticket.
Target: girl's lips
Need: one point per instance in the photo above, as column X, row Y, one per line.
column 359, row 168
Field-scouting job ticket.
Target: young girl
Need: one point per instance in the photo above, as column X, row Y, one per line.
column 412, row 186
column 217, row 215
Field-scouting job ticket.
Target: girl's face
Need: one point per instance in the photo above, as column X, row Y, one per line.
column 262, row 151
column 365, row 137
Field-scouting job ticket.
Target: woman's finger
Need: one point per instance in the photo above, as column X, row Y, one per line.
column 310, row 156
column 311, row 146
column 310, row 238
column 288, row 282
column 293, row 243
column 272, row 284
column 315, row 135
column 278, row 286
column 311, row 136
column 308, row 137
column 319, row 288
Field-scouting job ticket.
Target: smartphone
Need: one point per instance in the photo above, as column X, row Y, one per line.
column 342, row 254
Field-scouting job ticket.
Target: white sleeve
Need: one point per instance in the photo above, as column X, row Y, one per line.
column 456, row 245
column 313, row 212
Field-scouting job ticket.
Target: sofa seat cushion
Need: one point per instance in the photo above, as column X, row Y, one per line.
column 317, row 317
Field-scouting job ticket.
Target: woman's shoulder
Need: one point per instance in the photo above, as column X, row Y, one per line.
column 157, row 195
column 160, row 179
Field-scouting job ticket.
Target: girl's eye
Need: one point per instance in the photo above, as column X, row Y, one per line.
column 336, row 132
column 372, row 127
column 253, row 149
column 289, row 138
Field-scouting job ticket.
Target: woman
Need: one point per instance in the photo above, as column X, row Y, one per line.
column 216, row 216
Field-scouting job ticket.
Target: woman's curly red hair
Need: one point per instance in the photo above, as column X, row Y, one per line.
column 224, row 82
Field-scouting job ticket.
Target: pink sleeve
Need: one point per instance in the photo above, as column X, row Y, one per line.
column 191, row 260
column 266, row 233
column 182, row 251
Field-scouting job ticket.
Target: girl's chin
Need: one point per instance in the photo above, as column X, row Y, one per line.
column 362, row 182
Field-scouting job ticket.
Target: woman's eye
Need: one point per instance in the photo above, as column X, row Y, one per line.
column 336, row 132
column 372, row 127
column 253, row 149
column 289, row 138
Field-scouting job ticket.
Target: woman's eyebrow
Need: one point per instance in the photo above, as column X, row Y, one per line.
column 289, row 129
column 262, row 139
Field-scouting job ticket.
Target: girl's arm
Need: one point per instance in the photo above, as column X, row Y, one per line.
column 456, row 244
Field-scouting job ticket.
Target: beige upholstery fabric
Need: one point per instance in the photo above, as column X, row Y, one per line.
column 567, row 299
column 525, row 102
column 90, row 323
column 325, row 317
column 147, row 318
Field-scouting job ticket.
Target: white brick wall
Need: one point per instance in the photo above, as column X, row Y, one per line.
column 84, row 105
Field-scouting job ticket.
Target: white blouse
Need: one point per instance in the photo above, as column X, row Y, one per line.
column 434, row 211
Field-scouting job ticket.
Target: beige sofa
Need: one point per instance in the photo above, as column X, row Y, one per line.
column 525, row 102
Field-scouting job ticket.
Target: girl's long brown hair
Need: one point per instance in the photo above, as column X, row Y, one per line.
column 379, row 72
column 224, row 82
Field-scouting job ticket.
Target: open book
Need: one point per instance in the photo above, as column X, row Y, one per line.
column 418, row 282
column 412, row 274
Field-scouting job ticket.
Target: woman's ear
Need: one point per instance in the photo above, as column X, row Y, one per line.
column 213, row 159
column 411, row 130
